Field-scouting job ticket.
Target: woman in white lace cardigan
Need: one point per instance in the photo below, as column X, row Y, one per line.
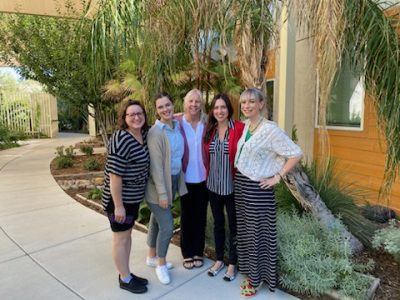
column 265, row 155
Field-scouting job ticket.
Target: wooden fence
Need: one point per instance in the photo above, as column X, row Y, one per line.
column 34, row 113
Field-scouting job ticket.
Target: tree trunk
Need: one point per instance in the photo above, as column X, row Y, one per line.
column 299, row 185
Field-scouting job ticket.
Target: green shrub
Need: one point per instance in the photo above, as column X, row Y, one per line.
column 95, row 194
column 87, row 149
column 9, row 138
column 338, row 197
column 69, row 152
column 389, row 239
column 92, row 164
column 63, row 162
column 61, row 151
column 314, row 260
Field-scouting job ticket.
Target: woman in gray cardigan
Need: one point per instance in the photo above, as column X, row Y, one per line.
column 165, row 144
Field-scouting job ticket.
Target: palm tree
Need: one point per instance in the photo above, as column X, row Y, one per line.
column 170, row 35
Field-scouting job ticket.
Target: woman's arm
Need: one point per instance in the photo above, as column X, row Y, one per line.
column 116, row 193
column 269, row 182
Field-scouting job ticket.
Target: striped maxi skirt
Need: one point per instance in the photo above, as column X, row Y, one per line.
column 256, row 231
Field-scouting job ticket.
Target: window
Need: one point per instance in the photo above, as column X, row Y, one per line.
column 346, row 107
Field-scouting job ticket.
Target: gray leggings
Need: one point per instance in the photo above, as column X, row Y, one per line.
column 161, row 224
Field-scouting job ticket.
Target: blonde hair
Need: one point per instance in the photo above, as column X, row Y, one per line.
column 256, row 94
column 194, row 92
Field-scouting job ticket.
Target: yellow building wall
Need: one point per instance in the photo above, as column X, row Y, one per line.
column 360, row 158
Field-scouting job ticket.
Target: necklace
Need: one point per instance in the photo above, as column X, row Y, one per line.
column 254, row 128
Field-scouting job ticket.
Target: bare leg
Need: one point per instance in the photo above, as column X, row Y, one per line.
column 121, row 249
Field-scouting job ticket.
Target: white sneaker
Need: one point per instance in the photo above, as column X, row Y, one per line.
column 163, row 274
column 153, row 262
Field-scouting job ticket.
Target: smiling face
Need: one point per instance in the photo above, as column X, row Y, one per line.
column 251, row 106
column 192, row 104
column 220, row 111
column 164, row 109
column 134, row 117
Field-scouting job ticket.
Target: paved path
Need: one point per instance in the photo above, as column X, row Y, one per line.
column 52, row 247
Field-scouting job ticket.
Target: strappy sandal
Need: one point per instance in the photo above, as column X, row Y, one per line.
column 214, row 272
column 188, row 263
column 248, row 290
column 244, row 283
column 199, row 260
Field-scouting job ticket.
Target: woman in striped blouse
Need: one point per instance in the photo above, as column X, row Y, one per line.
column 265, row 155
column 125, row 177
column 220, row 142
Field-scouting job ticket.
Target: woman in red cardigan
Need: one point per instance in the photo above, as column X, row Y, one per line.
column 220, row 145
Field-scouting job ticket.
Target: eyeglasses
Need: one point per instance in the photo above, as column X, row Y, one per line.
column 132, row 115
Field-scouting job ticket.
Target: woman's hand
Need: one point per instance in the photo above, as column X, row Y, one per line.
column 163, row 203
column 269, row 182
column 120, row 214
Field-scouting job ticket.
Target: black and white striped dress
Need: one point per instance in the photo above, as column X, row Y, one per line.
column 256, row 231
column 127, row 158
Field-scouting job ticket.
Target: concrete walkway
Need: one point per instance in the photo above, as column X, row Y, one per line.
column 52, row 247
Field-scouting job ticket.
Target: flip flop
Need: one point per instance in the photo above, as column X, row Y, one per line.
column 188, row 261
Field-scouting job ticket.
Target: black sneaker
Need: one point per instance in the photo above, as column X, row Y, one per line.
column 140, row 280
column 133, row 286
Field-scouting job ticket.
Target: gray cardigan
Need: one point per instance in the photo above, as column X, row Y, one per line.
column 159, row 185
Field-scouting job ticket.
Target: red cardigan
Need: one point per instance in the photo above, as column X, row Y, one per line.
column 234, row 135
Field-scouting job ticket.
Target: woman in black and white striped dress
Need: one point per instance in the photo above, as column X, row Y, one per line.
column 220, row 144
column 265, row 155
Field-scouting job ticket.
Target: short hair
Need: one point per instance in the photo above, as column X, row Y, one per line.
column 252, row 92
column 257, row 94
column 199, row 95
column 196, row 92
column 122, row 114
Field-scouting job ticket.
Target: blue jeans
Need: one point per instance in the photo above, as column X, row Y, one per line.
column 161, row 224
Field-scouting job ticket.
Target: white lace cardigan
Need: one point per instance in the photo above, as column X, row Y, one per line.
column 265, row 153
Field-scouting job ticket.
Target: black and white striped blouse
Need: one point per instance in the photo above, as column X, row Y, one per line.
column 220, row 179
column 129, row 159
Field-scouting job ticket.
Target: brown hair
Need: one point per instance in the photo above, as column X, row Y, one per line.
column 212, row 122
column 159, row 96
column 122, row 114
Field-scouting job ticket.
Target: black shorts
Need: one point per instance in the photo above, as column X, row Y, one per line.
column 132, row 212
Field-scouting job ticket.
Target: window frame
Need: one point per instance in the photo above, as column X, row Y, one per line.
column 341, row 128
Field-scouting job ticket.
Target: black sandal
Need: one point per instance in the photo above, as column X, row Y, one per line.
column 188, row 261
column 199, row 260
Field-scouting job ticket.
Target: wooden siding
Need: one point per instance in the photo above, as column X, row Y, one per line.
column 360, row 159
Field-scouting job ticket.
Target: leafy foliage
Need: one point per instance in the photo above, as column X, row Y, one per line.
column 87, row 149
column 65, row 157
column 389, row 239
column 9, row 138
column 338, row 197
column 92, row 164
column 314, row 260
column 95, row 194
column 364, row 32
column 56, row 52
column 63, row 162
